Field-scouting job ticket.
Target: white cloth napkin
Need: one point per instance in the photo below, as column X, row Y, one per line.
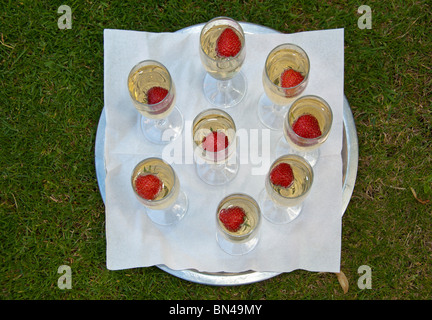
column 311, row 242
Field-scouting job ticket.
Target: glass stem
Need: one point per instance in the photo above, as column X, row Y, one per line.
column 161, row 123
column 279, row 109
column 224, row 85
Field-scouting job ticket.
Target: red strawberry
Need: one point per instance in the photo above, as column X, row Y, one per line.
column 156, row 94
column 228, row 44
column 290, row 78
column 232, row 218
column 215, row 141
column 282, row 175
column 148, row 186
column 307, row 126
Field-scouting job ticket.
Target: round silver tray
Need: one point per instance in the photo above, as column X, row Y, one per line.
column 349, row 159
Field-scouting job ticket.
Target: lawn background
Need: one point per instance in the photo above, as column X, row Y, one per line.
column 51, row 98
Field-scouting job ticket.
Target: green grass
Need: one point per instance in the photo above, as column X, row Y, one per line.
column 52, row 96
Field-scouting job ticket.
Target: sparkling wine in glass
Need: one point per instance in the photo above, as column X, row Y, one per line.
column 238, row 219
column 306, row 127
column 153, row 94
column 285, row 76
column 215, row 147
column 287, row 184
column 157, row 187
column 222, row 53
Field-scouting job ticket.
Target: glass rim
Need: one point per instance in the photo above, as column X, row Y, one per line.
column 238, row 27
column 278, row 48
column 303, row 162
column 172, row 172
column 216, row 111
column 147, row 62
column 320, row 99
column 251, row 200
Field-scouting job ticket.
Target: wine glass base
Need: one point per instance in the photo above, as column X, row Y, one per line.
column 283, row 148
column 172, row 214
column 165, row 130
column 216, row 174
column 236, row 248
column 271, row 115
column 276, row 214
column 225, row 93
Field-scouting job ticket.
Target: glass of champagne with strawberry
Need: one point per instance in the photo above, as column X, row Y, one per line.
column 238, row 220
column 156, row 185
column 153, row 94
column 287, row 184
column 222, row 53
column 306, row 127
column 215, row 146
column 285, row 76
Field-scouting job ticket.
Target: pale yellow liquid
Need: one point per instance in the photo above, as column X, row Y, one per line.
column 141, row 81
column 170, row 184
column 212, row 122
column 251, row 220
column 219, row 67
column 205, row 124
column 276, row 63
column 316, row 108
column 284, row 59
column 295, row 193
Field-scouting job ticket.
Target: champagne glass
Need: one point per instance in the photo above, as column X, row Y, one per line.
column 153, row 94
column 222, row 53
column 215, row 147
column 306, row 127
column 238, row 220
column 157, row 187
column 285, row 76
column 287, row 184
